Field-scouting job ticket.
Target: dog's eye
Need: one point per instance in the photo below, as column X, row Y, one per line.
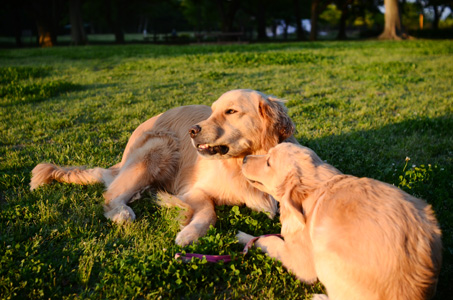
column 230, row 111
column 267, row 162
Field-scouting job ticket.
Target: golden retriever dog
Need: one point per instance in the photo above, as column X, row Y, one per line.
column 192, row 155
column 362, row 238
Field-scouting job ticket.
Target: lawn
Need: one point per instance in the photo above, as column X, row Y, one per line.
column 375, row 109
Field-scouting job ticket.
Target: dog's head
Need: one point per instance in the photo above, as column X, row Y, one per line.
column 289, row 173
column 271, row 172
column 242, row 122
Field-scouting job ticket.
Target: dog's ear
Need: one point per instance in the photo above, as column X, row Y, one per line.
column 292, row 215
column 278, row 125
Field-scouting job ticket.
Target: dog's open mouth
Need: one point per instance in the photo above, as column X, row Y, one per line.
column 212, row 150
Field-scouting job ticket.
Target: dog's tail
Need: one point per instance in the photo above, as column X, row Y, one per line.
column 168, row 200
column 45, row 173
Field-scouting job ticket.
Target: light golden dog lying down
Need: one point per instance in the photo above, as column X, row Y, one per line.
column 363, row 239
column 161, row 154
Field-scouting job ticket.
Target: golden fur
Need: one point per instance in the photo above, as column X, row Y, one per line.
column 160, row 154
column 363, row 239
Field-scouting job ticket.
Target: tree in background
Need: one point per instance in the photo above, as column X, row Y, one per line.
column 332, row 15
column 227, row 11
column 77, row 27
column 317, row 7
column 47, row 14
column 359, row 14
column 343, row 6
column 282, row 13
column 363, row 14
column 48, row 18
column 13, row 14
column 270, row 13
column 315, row 11
column 258, row 11
column 300, row 35
column 291, row 12
column 410, row 15
column 114, row 10
column 393, row 29
column 437, row 7
column 202, row 14
column 166, row 17
column 261, row 20
column 209, row 15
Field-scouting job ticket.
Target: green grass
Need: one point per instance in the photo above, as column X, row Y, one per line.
column 362, row 106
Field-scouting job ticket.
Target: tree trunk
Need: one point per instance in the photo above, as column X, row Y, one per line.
column 285, row 29
column 44, row 35
column 77, row 30
column 114, row 22
column 274, row 29
column 314, row 20
column 17, row 25
column 438, row 11
column 436, row 18
column 18, row 38
column 343, row 18
column 392, row 29
column 46, row 14
column 299, row 30
column 261, row 20
column 227, row 14
column 119, row 35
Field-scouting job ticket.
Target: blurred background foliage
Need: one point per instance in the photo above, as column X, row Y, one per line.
column 78, row 22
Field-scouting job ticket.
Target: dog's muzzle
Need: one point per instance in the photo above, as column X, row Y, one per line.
column 206, row 149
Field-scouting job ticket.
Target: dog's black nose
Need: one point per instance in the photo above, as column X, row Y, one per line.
column 244, row 160
column 194, row 131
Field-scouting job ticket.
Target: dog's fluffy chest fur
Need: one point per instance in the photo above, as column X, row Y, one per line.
column 230, row 186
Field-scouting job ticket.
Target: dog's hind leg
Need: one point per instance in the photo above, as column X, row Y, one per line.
column 128, row 182
column 153, row 162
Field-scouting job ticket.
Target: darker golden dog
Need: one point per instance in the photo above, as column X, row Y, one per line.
column 161, row 154
column 363, row 239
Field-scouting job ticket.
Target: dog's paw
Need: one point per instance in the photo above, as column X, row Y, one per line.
column 320, row 297
column 186, row 236
column 243, row 237
column 121, row 214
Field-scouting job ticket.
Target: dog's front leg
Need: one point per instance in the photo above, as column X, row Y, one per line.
column 296, row 257
column 203, row 217
column 272, row 245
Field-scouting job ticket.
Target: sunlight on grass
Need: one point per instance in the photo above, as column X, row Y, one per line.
column 362, row 106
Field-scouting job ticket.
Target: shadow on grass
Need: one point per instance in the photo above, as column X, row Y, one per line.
column 375, row 152
column 13, row 74
column 17, row 85
column 19, row 93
